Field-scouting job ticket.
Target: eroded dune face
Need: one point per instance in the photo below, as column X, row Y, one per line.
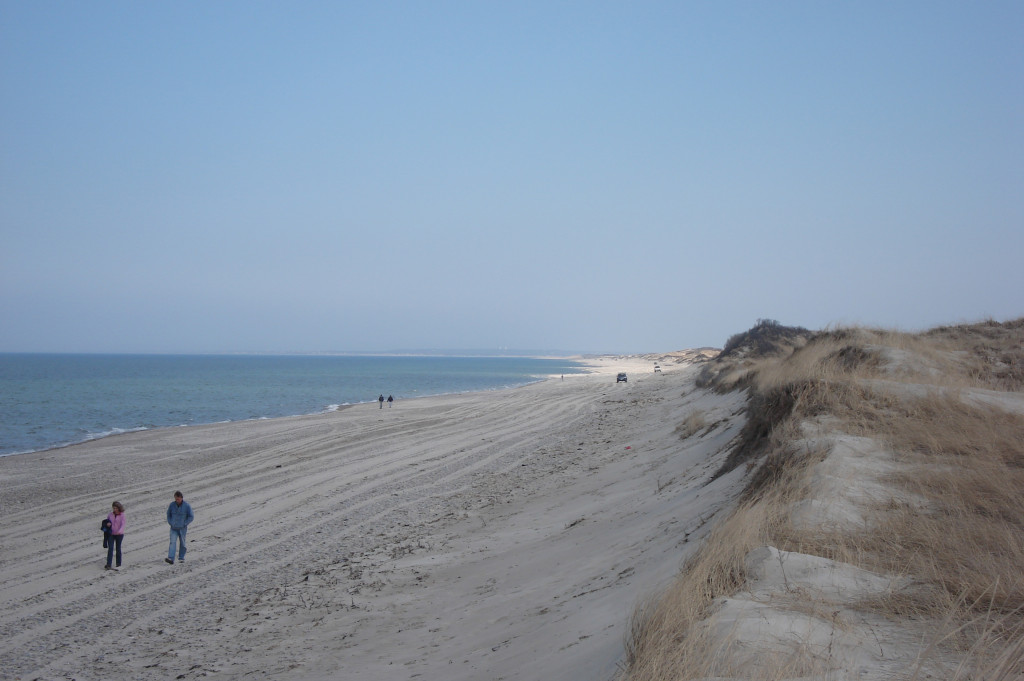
column 881, row 507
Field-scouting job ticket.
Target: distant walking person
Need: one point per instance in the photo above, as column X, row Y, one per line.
column 179, row 515
column 391, row 401
column 381, row 400
column 116, row 520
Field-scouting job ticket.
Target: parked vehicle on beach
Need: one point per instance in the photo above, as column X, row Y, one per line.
column 621, row 378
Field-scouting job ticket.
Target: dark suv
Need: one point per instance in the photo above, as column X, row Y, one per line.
column 621, row 378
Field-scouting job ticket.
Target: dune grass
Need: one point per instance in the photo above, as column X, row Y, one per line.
column 694, row 422
column 667, row 638
column 952, row 520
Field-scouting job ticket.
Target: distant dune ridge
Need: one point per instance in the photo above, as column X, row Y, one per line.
column 838, row 504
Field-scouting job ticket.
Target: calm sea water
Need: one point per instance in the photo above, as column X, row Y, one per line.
column 52, row 400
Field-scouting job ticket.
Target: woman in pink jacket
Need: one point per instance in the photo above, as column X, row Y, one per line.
column 116, row 518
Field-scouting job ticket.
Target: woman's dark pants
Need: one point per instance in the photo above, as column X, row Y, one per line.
column 113, row 541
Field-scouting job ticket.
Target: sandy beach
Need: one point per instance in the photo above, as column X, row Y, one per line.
column 497, row 535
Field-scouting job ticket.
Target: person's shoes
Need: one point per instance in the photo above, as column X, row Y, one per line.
column 107, row 567
column 168, row 561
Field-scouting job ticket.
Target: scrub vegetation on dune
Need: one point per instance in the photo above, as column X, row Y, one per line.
column 931, row 501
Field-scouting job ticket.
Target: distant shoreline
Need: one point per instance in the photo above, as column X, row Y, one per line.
column 483, row 354
column 586, row 365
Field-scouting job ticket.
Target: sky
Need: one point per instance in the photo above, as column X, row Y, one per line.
column 198, row 177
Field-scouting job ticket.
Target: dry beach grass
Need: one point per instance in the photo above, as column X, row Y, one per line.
column 901, row 455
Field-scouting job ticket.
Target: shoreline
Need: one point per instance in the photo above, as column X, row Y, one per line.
column 506, row 532
column 589, row 365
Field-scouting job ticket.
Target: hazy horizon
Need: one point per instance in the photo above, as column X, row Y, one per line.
column 262, row 177
column 397, row 352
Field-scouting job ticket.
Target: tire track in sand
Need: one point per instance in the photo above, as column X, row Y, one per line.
column 362, row 464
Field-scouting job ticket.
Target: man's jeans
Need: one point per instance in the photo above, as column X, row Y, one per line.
column 177, row 536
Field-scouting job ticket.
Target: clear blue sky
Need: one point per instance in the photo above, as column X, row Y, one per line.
column 588, row 176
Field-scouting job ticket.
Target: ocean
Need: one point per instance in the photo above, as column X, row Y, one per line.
column 49, row 401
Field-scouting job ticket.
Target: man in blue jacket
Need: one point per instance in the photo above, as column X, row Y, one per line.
column 179, row 515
